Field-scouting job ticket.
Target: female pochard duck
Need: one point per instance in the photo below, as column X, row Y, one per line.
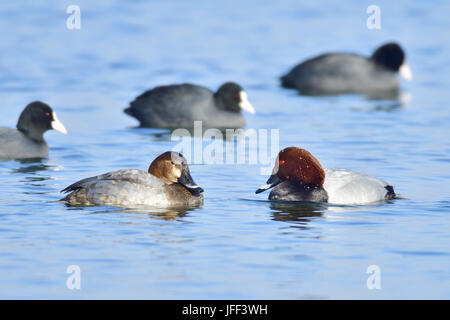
column 179, row 105
column 168, row 183
column 28, row 140
column 338, row 73
column 298, row 176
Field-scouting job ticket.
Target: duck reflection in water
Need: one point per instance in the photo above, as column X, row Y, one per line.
column 296, row 211
column 145, row 213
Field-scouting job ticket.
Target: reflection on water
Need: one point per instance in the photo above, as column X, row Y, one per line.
column 39, row 169
column 33, row 174
column 207, row 134
column 387, row 101
column 169, row 214
column 32, row 168
column 392, row 95
column 296, row 211
column 155, row 134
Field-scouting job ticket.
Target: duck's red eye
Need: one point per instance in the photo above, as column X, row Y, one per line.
column 47, row 115
column 281, row 162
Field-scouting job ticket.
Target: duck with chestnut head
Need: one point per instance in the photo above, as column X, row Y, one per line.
column 298, row 176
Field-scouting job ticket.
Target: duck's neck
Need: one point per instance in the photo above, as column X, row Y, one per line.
column 36, row 135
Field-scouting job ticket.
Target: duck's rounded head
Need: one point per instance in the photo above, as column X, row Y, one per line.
column 172, row 168
column 38, row 117
column 298, row 166
column 231, row 97
column 392, row 57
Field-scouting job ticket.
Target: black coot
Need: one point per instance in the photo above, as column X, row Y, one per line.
column 338, row 73
column 179, row 105
column 28, row 140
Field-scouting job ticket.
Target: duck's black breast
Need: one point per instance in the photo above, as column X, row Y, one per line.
column 179, row 195
column 286, row 191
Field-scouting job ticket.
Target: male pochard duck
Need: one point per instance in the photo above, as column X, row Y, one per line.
column 28, row 140
column 168, row 183
column 179, row 105
column 338, row 73
column 298, row 176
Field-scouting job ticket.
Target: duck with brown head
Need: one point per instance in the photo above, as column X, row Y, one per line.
column 168, row 183
column 298, row 176
column 173, row 170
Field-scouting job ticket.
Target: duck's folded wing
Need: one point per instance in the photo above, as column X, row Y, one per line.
column 349, row 187
column 126, row 175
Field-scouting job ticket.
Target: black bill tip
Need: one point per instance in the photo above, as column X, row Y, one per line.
column 271, row 182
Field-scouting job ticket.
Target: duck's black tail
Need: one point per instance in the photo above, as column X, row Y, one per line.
column 286, row 82
column 129, row 111
column 391, row 193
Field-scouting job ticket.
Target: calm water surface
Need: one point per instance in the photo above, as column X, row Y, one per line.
column 237, row 245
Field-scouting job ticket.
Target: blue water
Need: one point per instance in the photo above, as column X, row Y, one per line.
column 237, row 245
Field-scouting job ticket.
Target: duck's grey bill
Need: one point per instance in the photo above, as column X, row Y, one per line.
column 186, row 181
column 272, row 182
